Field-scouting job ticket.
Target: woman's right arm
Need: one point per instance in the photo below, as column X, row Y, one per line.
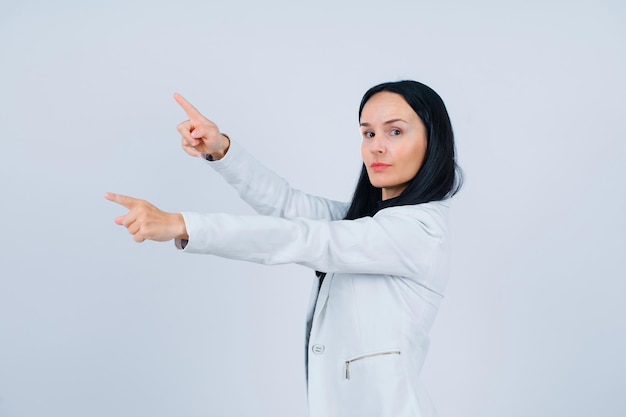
column 266, row 192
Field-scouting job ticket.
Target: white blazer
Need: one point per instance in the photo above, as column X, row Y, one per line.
column 368, row 323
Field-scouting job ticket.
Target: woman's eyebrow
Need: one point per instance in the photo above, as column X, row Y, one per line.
column 388, row 122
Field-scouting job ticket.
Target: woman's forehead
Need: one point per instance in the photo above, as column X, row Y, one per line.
column 385, row 106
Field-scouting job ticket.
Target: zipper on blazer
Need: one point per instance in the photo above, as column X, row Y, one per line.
column 369, row 355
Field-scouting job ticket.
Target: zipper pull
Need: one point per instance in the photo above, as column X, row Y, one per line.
column 347, row 369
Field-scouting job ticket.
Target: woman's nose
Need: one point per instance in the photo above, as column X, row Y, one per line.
column 377, row 144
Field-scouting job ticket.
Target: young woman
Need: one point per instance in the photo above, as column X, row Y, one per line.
column 382, row 259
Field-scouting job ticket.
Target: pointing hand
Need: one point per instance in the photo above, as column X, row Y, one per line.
column 146, row 222
column 199, row 134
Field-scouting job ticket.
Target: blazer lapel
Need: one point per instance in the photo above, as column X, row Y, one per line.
column 322, row 296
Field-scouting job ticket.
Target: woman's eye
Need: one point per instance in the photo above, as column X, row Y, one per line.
column 368, row 134
column 395, row 132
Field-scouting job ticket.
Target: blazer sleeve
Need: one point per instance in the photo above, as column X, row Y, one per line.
column 268, row 193
column 405, row 241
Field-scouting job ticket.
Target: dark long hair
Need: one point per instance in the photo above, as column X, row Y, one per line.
column 438, row 178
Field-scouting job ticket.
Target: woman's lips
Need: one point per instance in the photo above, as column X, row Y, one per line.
column 379, row 166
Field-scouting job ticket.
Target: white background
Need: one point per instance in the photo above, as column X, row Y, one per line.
column 93, row 324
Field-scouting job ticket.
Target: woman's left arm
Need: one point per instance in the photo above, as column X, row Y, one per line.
column 405, row 240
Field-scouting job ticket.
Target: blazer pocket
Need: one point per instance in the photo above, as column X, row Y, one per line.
column 366, row 357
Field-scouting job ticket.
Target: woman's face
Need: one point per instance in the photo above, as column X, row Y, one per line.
column 394, row 142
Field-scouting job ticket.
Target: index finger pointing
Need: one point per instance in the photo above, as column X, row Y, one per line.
column 123, row 200
column 189, row 109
